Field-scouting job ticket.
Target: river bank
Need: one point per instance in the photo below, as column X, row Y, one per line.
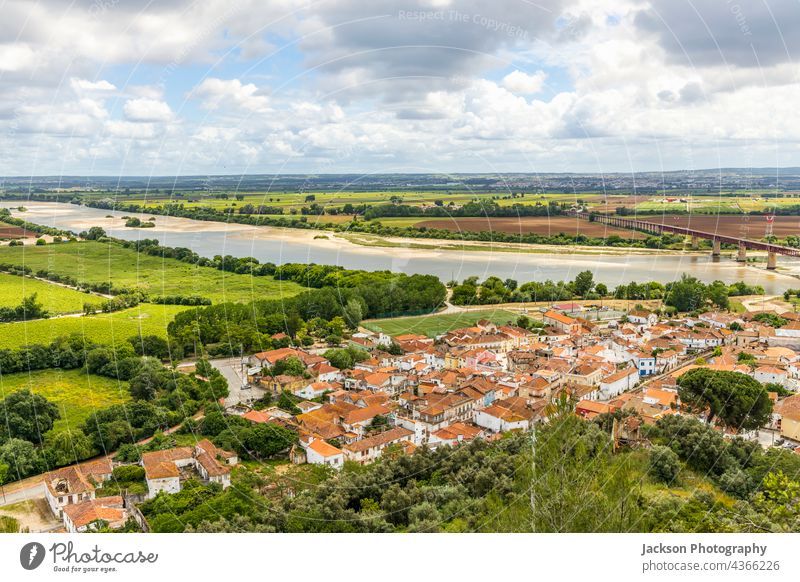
column 444, row 258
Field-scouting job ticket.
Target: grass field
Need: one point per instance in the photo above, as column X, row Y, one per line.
column 106, row 328
column 95, row 262
column 296, row 200
column 55, row 298
column 76, row 393
column 435, row 324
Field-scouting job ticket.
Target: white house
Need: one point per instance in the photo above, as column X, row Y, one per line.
column 790, row 330
column 615, row 384
column 642, row 317
column 162, row 469
column 771, row 375
column 645, row 363
column 318, row 452
column 313, row 390
column 371, row 448
column 74, row 484
column 498, row 419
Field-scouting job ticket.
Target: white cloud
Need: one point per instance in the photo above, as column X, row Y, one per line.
column 232, row 93
column 519, row 82
column 147, row 110
column 86, row 86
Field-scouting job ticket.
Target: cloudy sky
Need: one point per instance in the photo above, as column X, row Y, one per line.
column 166, row 87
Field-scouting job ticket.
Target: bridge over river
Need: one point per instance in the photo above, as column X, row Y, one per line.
column 716, row 239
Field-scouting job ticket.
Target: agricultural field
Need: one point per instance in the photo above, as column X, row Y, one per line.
column 752, row 227
column 106, row 328
column 96, row 262
column 715, row 204
column 55, row 298
column 436, row 324
column 76, row 393
column 544, row 225
column 10, row 231
column 297, row 200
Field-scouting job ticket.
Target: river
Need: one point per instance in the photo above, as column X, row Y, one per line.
column 281, row 245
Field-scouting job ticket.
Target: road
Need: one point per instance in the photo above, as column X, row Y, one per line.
column 238, row 391
column 33, row 491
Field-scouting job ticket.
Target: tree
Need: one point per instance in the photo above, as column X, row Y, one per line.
column 739, row 401
column 26, row 416
column 286, row 402
column 150, row 345
column 21, row 456
column 292, row 366
column 146, row 384
column 717, row 293
column 353, row 313
column 70, row 446
column 601, row 289
column 664, row 464
column 265, row 440
column 687, row 294
column 94, row 233
column 584, row 283
column 523, row 321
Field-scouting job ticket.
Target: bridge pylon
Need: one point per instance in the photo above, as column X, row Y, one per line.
column 741, row 256
column 716, row 247
column 772, row 260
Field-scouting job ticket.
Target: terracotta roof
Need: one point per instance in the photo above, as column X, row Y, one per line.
column 383, row 438
column 789, row 407
column 619, row 375
column 560, row 317
column 324, row 449
column 363, row 414
column 108, row 509
column 67, row 481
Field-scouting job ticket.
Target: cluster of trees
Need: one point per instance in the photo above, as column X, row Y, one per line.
column 691, row 294
column 233, row 328
column 250, row 441
column 161, row 398
column 135, row 222
column 687, row 294
column 346, row 358
column 739, row 467
column 472, row 208
column 29, row 309
column 495, row 290
column 736, row 400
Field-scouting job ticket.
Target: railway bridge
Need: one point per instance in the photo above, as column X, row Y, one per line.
column 716, row 239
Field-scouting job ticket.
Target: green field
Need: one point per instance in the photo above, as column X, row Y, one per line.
column 435, row 324
column 76, row 393
column 55, row 298
column 106, row 328
column 95, row 262
column 296, row 200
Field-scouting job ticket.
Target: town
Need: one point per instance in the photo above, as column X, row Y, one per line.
column 409, row 391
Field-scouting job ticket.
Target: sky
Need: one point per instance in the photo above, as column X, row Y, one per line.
column 179, row 87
